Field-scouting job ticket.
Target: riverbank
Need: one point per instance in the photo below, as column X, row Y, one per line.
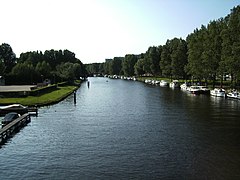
column 42, row 100
column 225, row 84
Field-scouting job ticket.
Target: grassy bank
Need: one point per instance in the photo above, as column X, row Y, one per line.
column 45, row 99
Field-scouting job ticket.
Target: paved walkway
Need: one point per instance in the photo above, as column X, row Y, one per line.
column 15, row 88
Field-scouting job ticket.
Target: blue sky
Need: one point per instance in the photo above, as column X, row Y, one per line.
column 98, row 29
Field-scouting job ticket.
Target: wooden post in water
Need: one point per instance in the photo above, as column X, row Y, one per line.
column 75, row 101
column 88, row 84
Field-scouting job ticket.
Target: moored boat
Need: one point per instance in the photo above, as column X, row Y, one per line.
column 204, row 90
column 13, row 108
column 174, row 84
column 218, row 92
column 184, row 86
column 194, row 89
column 233, row 94
column 163, row 83
column 148, row 81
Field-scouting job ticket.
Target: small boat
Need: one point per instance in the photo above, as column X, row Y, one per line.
column 163, row 83
column 233, row 94
column 218, row 92
column 13, row 108
column 194, row 89
column 204, row 90
column 148, row 81
column 174, row 84
column 184, row 86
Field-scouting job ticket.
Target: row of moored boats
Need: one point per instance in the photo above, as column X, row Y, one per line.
column 195, row 89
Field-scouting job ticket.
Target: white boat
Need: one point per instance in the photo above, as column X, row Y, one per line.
column 148, row 81
column 218, row 92
column 163, row 83
column 174, row 84
column 194, row 89
column 184, row 87
column 204, row 89
column 13, row 108
column 234, row 95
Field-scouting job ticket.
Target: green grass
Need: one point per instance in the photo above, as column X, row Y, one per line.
column 45, row 99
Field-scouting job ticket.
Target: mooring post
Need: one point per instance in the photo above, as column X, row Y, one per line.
column 75, row 101
column 88, row 84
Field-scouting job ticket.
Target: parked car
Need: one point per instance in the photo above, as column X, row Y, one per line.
column 9, row 117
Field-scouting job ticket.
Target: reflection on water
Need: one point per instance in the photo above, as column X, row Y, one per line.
column 123, row 129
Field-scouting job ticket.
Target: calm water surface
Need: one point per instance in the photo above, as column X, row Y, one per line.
column 127, row 130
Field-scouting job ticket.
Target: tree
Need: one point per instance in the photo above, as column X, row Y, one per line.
column 2, row 68
column 211, row 55
column 231, row 43
column 115, row 66
column 68, row 71
column 7, row 56
column 195, row 42
column 128, row 64
column 43, row 69
column 154, row 58
column 138, row 68
column 165, row 61
column 178, row 50
column 24, row 73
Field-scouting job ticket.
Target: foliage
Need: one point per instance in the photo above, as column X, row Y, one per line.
column 138, row 68
column 24, row 73
column 8, row 57
column 43, row 69
column 115, row 65
column 2, row 67
column 128, row 64
column 34, row 67
column 68, row 71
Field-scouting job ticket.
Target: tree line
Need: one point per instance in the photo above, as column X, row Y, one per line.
column 34, row 67
column 208, row 53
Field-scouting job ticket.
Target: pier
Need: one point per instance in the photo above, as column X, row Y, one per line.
column 13, row 127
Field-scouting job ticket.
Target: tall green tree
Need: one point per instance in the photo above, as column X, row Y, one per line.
column 139, row 67
column 24, row 73
column 66, row 71
column 2, row 68
column 178, row 49
column 165, row 61
column 128, row 64
column 231, row 43
column 195, row 41
column 115, row 66
column 7, row 56
column 43, row 69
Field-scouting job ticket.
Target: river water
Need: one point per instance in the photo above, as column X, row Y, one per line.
column 122, row 129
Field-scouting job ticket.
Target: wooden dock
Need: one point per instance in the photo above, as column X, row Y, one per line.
column 33, row 111
column 10, row 129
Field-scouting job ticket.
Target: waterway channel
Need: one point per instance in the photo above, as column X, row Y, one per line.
column 121, row 129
